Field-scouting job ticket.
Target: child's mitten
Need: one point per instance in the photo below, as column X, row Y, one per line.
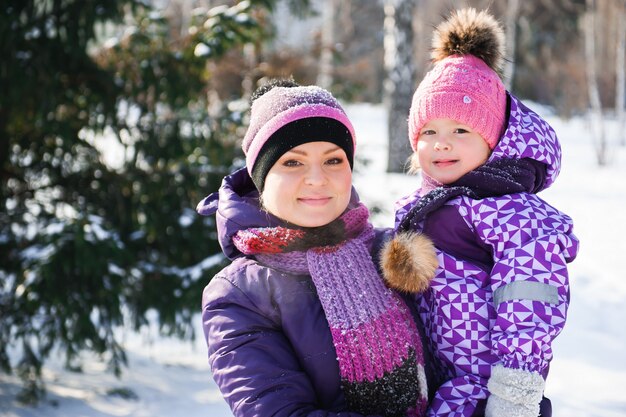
column 514, row 393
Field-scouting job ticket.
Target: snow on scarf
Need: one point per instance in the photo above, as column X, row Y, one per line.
column 377, row 343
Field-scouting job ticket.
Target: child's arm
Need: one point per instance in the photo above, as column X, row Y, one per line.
column 532, row 244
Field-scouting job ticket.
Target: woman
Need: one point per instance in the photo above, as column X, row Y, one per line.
column 300, row 323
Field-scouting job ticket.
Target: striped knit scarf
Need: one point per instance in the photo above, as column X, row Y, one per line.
column 377, row 343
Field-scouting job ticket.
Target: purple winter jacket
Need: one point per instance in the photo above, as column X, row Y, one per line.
column 501, row 293
column 270, row 348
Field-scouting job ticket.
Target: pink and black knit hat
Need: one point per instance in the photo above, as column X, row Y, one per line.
column 464, row 84
column 285, row 115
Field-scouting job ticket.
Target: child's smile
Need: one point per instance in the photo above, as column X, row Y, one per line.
column 447, row 150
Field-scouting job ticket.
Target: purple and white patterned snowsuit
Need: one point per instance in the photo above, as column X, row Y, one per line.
column 501, row 292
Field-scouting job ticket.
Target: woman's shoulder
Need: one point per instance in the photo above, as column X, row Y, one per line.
column 244, row 274
column 244, row 270
column 248, row 282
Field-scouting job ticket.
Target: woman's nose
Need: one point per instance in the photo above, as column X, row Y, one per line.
column 315, row 175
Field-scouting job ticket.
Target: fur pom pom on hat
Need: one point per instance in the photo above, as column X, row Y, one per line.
column 283, row 116
column 464, row 84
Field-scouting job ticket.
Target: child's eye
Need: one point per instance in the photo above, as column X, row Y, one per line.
column 461, row 130
column 428, row 132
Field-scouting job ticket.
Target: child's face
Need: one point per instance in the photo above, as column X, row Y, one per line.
column 447, row 150
column 310, row 185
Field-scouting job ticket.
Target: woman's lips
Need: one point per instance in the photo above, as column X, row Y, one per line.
column 314, row 201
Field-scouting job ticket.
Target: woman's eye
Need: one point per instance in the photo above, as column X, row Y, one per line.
column 335, row 161
column 291, row 163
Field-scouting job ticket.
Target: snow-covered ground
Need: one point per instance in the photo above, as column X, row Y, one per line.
column 588, row 375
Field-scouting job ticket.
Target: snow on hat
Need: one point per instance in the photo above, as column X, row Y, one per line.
column 284, row 117
column 464, row 84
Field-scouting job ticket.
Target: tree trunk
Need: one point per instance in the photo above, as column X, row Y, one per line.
column 620, row 71
column 325, row 73
column 400, row 79
column 5, row 165
column 251, row 60
column 510, row 27
column 597, row 122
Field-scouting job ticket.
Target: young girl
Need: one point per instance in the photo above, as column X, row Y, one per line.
column 500, row 294
column 301, row 323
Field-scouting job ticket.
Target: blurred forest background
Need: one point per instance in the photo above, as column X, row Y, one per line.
column 118, row 116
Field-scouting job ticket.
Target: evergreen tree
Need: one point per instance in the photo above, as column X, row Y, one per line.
column 88, row 245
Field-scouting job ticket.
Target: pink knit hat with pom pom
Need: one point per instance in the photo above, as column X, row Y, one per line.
column 464, row 84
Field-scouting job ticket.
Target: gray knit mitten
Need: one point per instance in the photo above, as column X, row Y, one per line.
column 514, row 393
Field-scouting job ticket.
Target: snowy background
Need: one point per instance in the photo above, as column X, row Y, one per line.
column 167, row 377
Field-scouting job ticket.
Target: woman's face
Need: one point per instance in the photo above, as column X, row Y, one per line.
column 310, row 185
column 447, row 150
